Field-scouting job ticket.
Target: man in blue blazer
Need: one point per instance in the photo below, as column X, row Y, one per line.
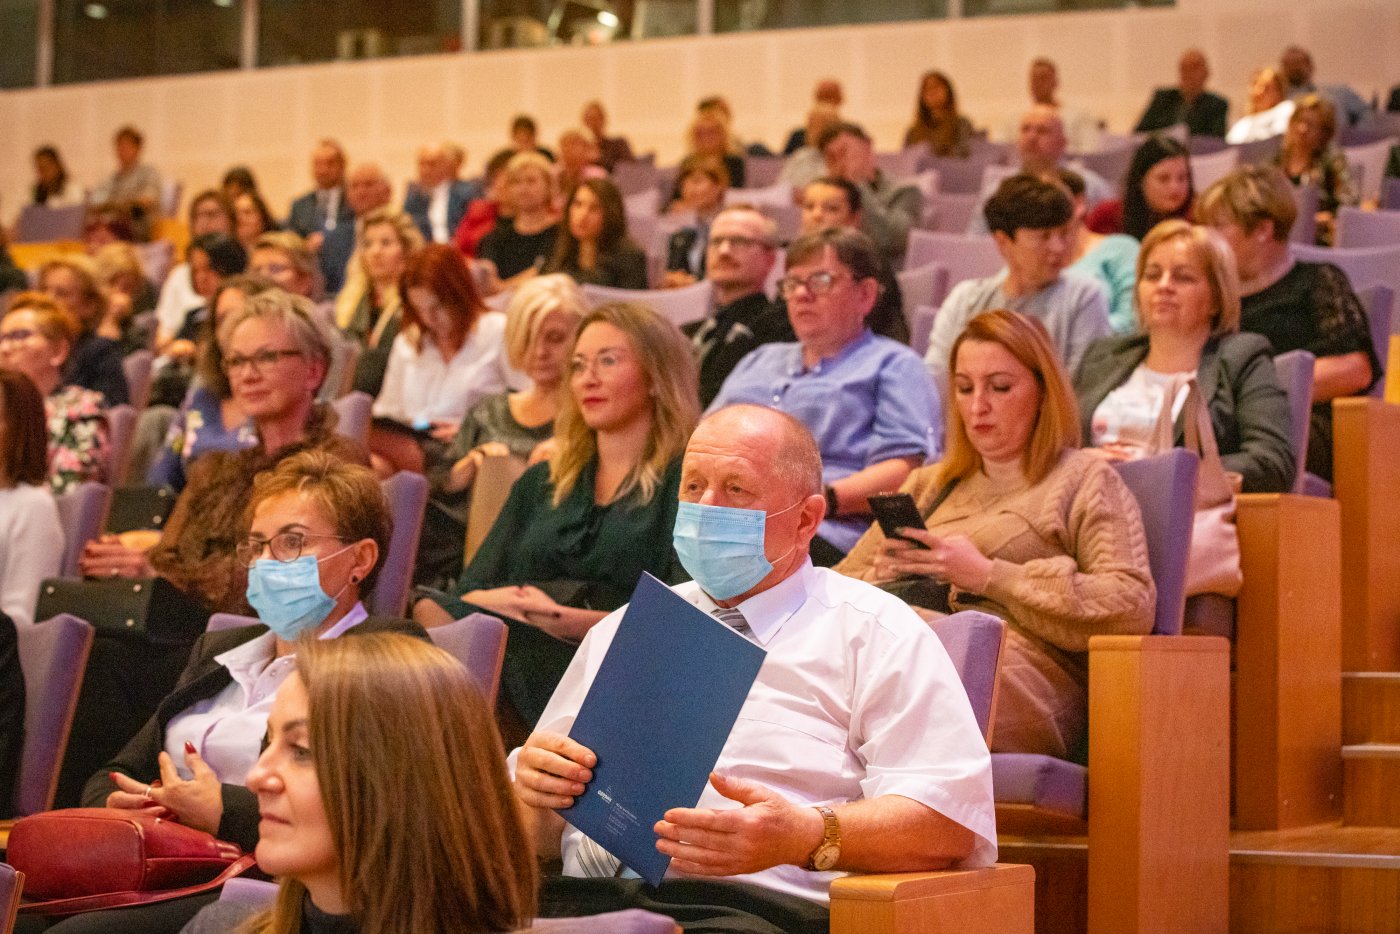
column 324, row 208
column 438, row 199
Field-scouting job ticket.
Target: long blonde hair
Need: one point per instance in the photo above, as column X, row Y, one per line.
column 357, row 281
column 671, row 377
column 415, row 789
column 1057, row 425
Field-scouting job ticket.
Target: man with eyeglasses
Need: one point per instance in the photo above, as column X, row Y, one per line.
column 867, row 400
column 738, row 259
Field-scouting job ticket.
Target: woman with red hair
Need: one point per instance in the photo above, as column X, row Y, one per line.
column 449, row 356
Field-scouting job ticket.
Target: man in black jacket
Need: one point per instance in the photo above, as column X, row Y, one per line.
column 1190, row 103
column 738, row 259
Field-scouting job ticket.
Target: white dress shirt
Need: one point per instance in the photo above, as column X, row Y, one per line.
column 420, row 386
column 227, row 729
column 437, row 212
column 856, row 699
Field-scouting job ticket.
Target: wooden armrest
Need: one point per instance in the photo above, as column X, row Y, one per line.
column 999, row 899
column 1288, row 662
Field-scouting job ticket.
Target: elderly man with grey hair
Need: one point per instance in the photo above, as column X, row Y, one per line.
column 367, row 189
column 855, row 751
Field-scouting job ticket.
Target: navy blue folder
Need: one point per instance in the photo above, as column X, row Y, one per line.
column 658, row 714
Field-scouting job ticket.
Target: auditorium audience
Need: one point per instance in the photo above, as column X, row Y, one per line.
column 937, row 122
column 351, row 851
column 36, row 339
column 312, row 546
column 209, row 418
column 482, row 213
column 524, row 137
column 437, row 200
column 708, row 138
column 367, row 190
column 805, row 164
column 521, row 243
column 836, row 743
column 131, row 300
column 326, row 206
column 701, row 184
column 94, row 362
column 739, row 258
column 1080, row 128
column 866, row 399
column 826, row 93
column 51, row 182
column 1021, row 524
column 1297, row 66
column 1189, row 102
column 1188, row 307
column 611, row 149
column 134, row 186
column 1296, row 305
column 31, row 537
column 449, row 355
column 1157, row 187
column 275, row 355
column 576, row 532
column 1269, row 109
column 282, row 258
column 369, row 308
column 578, row 159
column 1308, row 157
column 1109, row 258
column 1028, row 220
column 213, row 258
column 251, row 218
column 889, row 208
column 209, row 213
column 592, row 245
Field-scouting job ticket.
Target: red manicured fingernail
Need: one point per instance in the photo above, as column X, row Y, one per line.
column 112, row 776
column 189, row 748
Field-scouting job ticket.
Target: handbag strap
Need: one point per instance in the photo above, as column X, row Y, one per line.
column 83, row 903
column 1212, row 485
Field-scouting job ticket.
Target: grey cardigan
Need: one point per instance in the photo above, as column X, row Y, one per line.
column 1248, row 409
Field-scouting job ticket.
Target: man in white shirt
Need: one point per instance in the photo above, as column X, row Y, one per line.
column 438, row 199
column 855, row 751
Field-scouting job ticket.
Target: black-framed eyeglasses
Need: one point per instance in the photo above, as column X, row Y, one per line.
column 285, row 546
column 818, row 283
column 258, row 361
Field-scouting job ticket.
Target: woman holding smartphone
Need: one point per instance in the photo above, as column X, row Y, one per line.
column 1019, row 522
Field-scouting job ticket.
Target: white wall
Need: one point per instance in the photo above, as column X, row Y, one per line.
column 382, row 110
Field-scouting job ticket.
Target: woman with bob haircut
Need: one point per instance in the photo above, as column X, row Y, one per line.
column 352, row 851
column 520, row 244
column 1021, row 523
column 937, row 122
column 593, row 245
column 369, row 307
column 1188, row 303
column 449, row 355
column 36, row 338
column 541, row 319
column 577, row 532
column 31, row 536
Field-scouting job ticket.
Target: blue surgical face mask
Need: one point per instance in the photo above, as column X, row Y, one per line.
column 287, row 595
column 721, row 547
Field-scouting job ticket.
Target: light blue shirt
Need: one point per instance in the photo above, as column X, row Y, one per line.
column 1114, row 263
column 870, row 402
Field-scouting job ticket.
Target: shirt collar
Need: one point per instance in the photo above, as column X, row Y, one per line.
column 246, row 661
column 795, row 367
column 766, row 612
column 357, row 615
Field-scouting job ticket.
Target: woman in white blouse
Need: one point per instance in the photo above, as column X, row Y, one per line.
column 450, row 355
column 31, row 538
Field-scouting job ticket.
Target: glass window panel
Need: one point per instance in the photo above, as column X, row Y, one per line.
column 1009, row 7
column 513, row 24
column 19, row 34
column 296, row 31
column 744, row 15
column 96, row 40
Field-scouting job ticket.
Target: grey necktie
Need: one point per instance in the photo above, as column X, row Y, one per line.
column 733, row 619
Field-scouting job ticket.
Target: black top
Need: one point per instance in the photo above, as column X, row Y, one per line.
column 724, row 338
column 316, row 921
column 11, row 712
column 1313, row 308
column 1204, row 117
column 201, row 680
column 11, row 276
column 96, row 363
column 513, row 252
column 624, row 268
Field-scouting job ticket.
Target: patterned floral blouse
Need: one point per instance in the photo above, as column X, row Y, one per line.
column 78, row 437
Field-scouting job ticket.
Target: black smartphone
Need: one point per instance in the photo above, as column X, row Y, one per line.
column 895, row 511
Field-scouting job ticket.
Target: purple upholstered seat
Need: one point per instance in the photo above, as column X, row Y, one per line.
column 82, row 512
column 973, row 641
column 1295, row 374
column 11, row 887
column 408, row 497
column 53, row 655
column 1048, row 784
column 478, row 641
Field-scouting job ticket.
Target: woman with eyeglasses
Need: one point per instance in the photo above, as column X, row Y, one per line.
column 318, row 532
column 577, row 532
column 36, row 338
column 274, row 355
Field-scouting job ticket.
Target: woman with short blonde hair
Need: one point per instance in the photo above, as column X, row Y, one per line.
column 1308, row 157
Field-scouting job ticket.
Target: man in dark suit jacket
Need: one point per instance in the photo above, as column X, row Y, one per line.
column 438, row 188
column 1203, row 112
column 367, row 189
column 739, row 256
column 324, row 208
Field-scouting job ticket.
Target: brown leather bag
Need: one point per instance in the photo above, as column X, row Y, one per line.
column 88, row 859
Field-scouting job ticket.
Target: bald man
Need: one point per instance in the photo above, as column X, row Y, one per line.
column 856, row 750
column 367, row 188
column 1189, row 102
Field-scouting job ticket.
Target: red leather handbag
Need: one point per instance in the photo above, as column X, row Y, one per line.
column 86, row 859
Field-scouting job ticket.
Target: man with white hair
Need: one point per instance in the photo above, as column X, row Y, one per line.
column 367, row 189
column 437, row 200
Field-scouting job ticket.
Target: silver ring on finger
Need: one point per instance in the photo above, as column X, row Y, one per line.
column 147, row 793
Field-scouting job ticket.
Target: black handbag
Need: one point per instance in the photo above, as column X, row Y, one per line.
column 140, row 507
column 151, row 608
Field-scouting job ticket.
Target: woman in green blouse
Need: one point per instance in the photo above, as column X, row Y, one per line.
column 577, row 532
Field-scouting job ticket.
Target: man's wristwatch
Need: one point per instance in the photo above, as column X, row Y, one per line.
column 832, row 506
column 827, row 853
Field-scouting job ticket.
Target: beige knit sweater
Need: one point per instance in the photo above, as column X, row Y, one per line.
column 1069, row 554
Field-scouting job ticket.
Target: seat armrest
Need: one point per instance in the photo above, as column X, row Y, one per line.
column 999, row 899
